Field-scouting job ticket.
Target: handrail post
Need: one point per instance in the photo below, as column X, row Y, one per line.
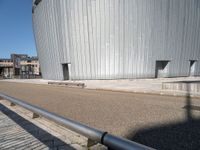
column 12, row 104
column 91, row 143
column 34, row 115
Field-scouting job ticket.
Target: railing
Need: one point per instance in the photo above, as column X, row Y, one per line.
column 110, row 141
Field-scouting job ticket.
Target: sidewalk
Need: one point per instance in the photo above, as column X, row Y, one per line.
column 163, row 86
column 20, row 131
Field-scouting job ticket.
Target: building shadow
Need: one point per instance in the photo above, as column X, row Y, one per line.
column 187, row 82
column 183, row 135
column 43, row 136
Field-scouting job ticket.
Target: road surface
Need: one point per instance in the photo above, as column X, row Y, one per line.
column 153, row 120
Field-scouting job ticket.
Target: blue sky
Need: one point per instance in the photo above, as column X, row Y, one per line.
column 16, row 34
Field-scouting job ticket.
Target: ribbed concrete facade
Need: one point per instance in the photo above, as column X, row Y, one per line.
column 113, row 39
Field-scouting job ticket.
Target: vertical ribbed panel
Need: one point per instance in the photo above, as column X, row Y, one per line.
column 111, row 39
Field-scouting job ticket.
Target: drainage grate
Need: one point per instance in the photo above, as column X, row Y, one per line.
column 192, row 107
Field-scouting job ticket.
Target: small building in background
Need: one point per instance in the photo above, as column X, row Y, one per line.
column 29, row 67
column 6, row 68
column 20, row 66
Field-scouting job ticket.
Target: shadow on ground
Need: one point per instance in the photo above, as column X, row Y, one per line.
column 44, row 137
column 188, row 82
column 183, row 135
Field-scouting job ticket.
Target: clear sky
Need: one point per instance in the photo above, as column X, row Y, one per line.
column 16, row 33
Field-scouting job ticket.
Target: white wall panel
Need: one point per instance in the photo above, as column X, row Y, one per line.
column 112, row 39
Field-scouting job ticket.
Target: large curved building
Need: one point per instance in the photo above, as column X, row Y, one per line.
column 117, row 39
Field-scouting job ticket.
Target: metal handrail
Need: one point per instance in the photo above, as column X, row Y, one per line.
column 111, row 141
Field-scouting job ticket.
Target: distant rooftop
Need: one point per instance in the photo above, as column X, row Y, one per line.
column 21, row 56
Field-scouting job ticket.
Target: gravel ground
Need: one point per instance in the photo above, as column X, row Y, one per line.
column 149, row 119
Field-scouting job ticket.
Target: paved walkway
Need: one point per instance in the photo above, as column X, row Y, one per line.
column 153, row 86
column 19, row 131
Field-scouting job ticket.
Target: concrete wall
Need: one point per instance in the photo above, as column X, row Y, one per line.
column 112, row 39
